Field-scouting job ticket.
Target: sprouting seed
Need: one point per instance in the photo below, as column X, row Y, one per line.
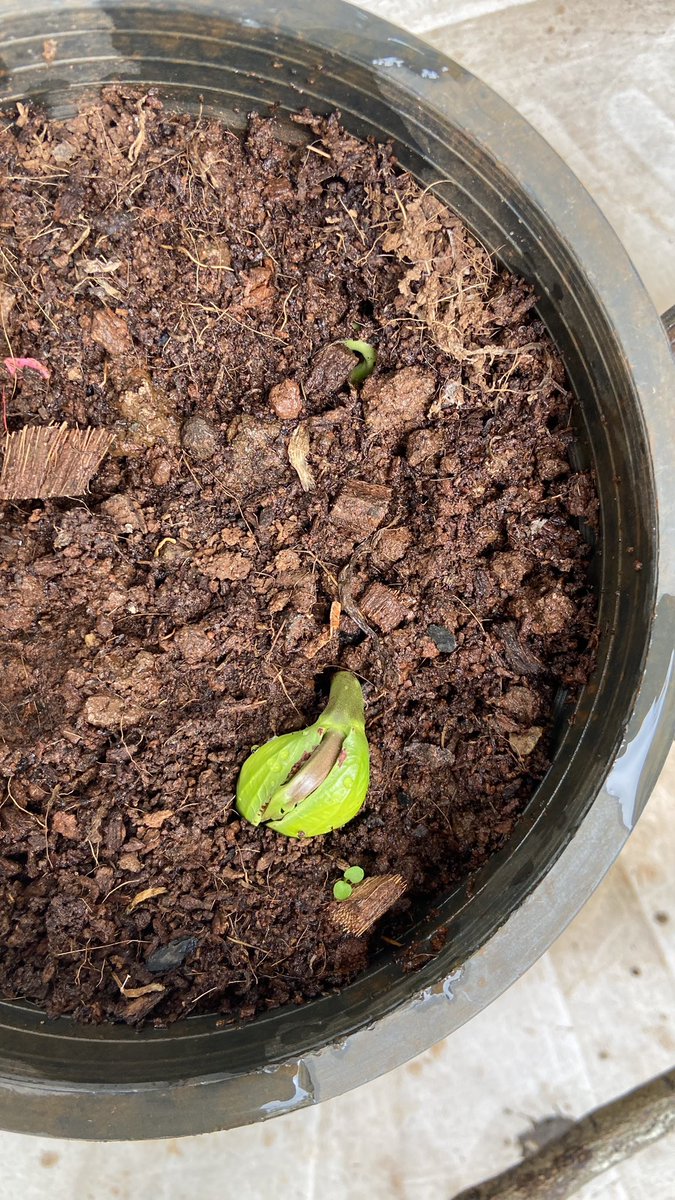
column 342, row 890
column 313, row 781
column 355, row 874
column 368, row 355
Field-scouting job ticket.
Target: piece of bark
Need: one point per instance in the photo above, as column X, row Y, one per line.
column 361, row 507
column 524, row 741
column 604, row 1137
column 51, row 460
column 381, row 605
column 327, row 634
column 331, row 368
column 519, row 657
column 334, row 619
column 391, row 545
column 111, row 332
column 368, row 902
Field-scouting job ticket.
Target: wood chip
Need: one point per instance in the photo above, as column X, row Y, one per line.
column 524, row 743
column 65, row 823
column 330, row 369
column 367, row 903
column 381, row 605
column 7, row 302
column 155, row 820
column 112, row 332
column 519, row 657
column 298, row 449
column 326, row 635
column 51, row 460
column 146, row 894
column 361, row 507
column 137, row 1009
column 134, row 993
column 335, row 614
column 318, row 643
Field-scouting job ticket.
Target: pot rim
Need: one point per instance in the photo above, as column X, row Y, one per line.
column 29, row 1102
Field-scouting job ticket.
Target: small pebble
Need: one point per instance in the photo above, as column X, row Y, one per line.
column 125, row 513
column 167, row 958
column 199, row 439
column 286, row 399
column 161, row 473
column 443, row 639
column 63, row 152
column 62, row 538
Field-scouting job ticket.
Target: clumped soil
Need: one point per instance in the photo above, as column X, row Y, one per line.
column 185, row 288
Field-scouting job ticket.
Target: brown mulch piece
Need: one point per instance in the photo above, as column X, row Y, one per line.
column 51, row 460
column 255, row 523
column 368, row 902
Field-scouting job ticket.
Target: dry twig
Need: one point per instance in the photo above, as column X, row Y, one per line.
column 604, row 1137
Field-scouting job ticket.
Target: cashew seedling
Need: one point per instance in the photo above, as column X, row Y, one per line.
column 313, row 781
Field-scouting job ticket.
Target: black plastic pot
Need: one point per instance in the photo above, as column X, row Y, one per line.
column 520, row 199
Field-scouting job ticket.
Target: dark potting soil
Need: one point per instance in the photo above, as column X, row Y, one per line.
column 185, row 288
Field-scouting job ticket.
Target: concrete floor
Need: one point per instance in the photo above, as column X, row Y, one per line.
column 596, row 1015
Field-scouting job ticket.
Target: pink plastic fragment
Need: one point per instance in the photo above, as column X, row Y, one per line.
column 14, row 365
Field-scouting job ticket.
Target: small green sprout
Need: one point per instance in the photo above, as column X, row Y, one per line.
column 313, row 781
column 342, row 890
column 368, row 356
column 355, row 875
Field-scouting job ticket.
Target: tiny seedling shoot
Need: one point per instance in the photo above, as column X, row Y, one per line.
column 344, row 887
column 315, row 780
column 342, row 890
column 368, row 357
column 355, row 875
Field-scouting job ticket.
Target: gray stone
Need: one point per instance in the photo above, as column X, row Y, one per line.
column 443, row 639
column 199, row 439
column 170, row 956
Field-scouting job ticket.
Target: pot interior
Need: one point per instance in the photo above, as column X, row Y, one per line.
column 293, row 57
